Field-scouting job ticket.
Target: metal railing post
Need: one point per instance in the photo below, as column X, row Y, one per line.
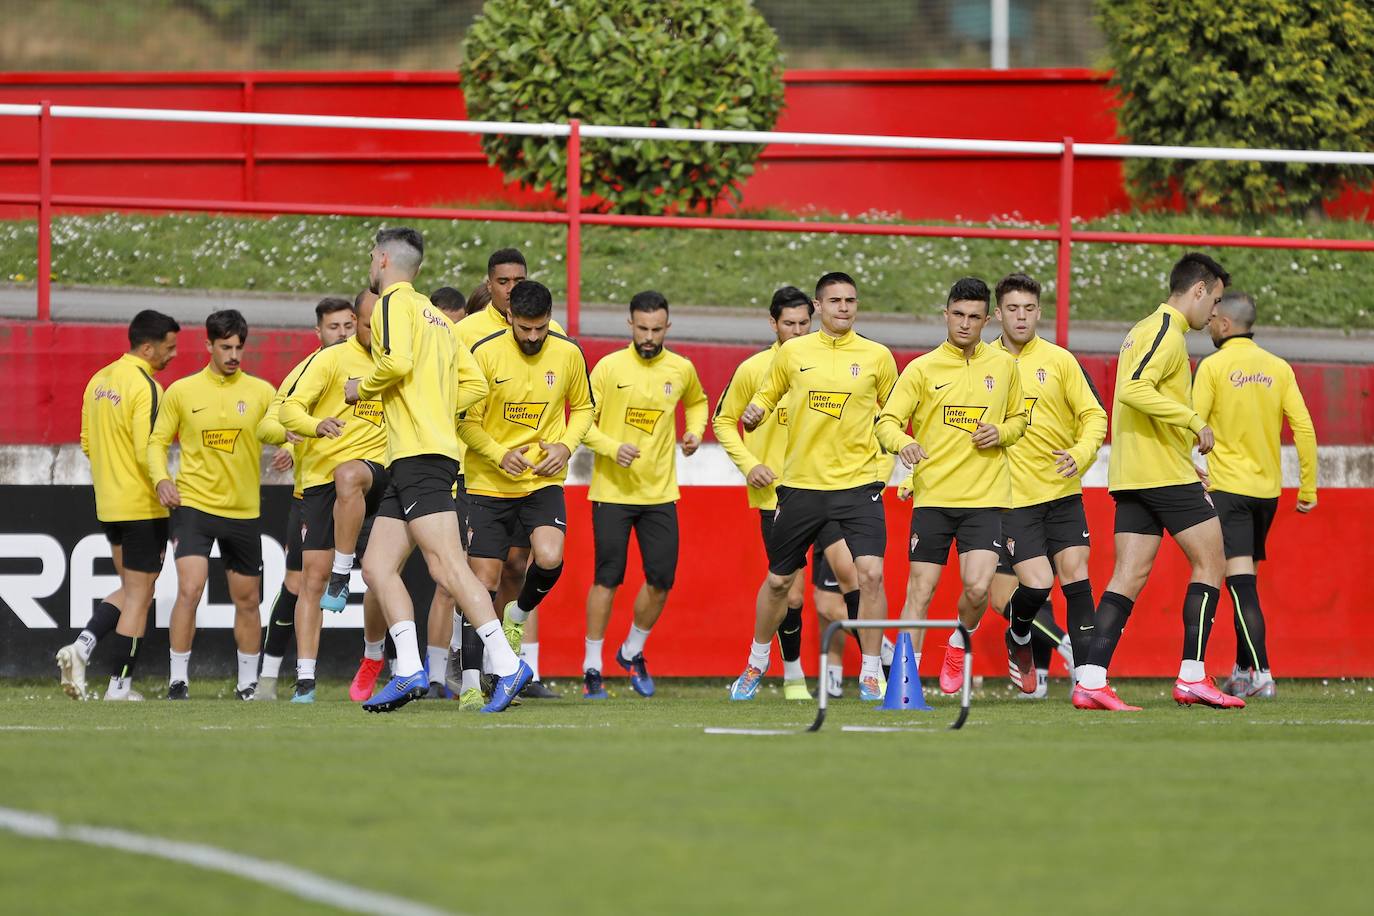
column 574, row 206
column 1065, row 275
column 44, row 278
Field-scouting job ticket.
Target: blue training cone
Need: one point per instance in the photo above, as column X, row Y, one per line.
column 904, row 682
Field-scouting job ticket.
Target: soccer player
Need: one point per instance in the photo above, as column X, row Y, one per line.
column 423, row 380
column 964, row 404
column 832, row 384
column 1045, row 530
column 759, row 456
column 1155, row 484
column 634, row 481
column 518, row 446
column 451, row 302
column 214, row 414
column 488, row 313
column 1243, row 392
column 334, row 321
column 344, row 480
column 118, row 410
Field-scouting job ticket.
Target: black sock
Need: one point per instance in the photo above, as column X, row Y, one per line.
column 1045, row 636
column 1108, row 623
column 472, row 647
column 106, row 618
column 789, row 635
column 282, row 625
column 1079, row 596
column 1025, row 604
column 538, row 583
column 125, row 655
column 1251, row 651
column 388, row 647
column 1199, row 610
column 851, row 609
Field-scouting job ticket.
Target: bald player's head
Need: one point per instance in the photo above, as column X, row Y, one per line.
column 1232, row 316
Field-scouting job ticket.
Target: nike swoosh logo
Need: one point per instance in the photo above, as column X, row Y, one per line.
column 1085, row 534
column 790, row 632
column 412, row 506
column 807, row 368
column 877, row 496
column 945, row 385
column 559, row 521
column 197, row 409
column 1086, row 628
column 542, row 591
column 624, row 386
column 995, row 544
column 829, row 583
column 501, row 380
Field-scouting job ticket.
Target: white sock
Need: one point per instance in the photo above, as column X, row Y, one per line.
column 634, row 643
column 486, row 657
column 407, row 649
column 181, row 661
column 835, row 673
column 759, row 653
column 516, row 614
column 271, row 665
column 119, row 687
column 1091, row 677
column 373, row 650
column 437, row 656
column 343, row 563
column 792, row 671
column 1021, row 640
column 85, row 645
column 455, row 642
column 591, row 655
column 1191, row 671
column 887, row 651
column 503, row 660
column 956, row 639
column 530, row 653
column 872, row 666
column 248, row 668
column 305, row 669
column 472, row 679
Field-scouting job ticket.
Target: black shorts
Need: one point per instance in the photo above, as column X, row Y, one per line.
column 1159, row 509
column 420, row 485
column 655, row 528
column 496, row 524
column 934, row 528
column 295, row 535
column 1245, row 522
column 142, row 541
column 240, row 545
column 1042, row 530
column 318, row 513
column 803, row 514
column 460, row 503
column 822, row 576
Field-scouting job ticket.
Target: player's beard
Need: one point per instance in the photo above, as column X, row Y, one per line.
column 648, row 350
column 532, row 347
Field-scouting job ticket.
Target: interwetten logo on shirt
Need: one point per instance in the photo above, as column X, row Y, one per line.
column 369, row 412
column 965, row 418
column 642, row 418
column 782, row 416
column 524, row 413
column 221, row 440
column 1030, row 410
column 830, row 403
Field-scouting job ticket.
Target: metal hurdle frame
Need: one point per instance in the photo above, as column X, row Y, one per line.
column 965, row 691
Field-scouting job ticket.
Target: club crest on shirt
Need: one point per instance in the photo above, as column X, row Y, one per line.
column 642, row 418
column 830, row 403
column 221, row 440
column 989, row 381
column 1040, row 375
column 369, row 412
column 965, row 418
column 668, row 388
column 524, row 413
column 550, row 377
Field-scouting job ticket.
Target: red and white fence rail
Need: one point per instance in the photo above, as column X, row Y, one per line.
column 45, row 199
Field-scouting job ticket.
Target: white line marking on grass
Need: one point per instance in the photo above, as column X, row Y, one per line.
column 888, row 728
column 749, row 731
column 292, row 880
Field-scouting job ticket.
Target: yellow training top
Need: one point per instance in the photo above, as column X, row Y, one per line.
column 832, row 388
column 1063, row 413
column 271, row 431
column 482, row 324
column 1154, row 425
column 944, row 396
column 767, row 443
column 319, row 393
column 216, row 419
column 636, row 402
column 524, row 408
column 118, row 411
column 420, row 374
column 1243, row 392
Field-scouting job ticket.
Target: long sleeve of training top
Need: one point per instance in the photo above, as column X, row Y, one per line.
column 319, row 394
column 118, row 411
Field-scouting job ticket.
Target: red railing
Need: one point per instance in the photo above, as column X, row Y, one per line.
column 1064, row 234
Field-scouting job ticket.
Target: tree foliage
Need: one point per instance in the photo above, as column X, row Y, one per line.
column 1290, row 74
column 660, row 63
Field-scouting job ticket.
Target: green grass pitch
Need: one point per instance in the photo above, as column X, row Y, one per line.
column 628, row 806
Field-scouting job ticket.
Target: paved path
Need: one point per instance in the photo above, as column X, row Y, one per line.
column 724, row 325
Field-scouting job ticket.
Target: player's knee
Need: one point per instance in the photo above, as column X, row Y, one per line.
column 976, row 594
column 870, row 576
column 777, row 585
